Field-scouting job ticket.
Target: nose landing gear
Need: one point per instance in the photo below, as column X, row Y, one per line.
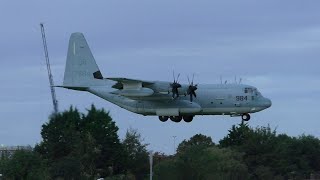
column 245, row 117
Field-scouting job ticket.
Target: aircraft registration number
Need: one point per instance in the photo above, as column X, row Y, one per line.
column 241, row 98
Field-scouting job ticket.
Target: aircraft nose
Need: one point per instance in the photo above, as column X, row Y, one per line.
column 267, row 103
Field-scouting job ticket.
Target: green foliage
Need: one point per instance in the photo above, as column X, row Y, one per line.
column 207, row 163
column 166, row 170
column 81, row 146
column 198, row 158
column 223, row 164
column 198, row 140
column 245, row 153
column 269, row 155
column 67, row 167
column 137, row 155
column 87, row 146
column 103, row 144
column 23, row 165
column 237, row 136
column 61, row 135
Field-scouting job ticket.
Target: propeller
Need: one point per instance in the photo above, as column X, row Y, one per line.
column 174, row 86
column 192, row 89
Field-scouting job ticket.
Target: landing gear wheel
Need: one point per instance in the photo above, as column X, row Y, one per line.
column 245, row 117
column 176, row 118
column 163, row 118
column 187, row 118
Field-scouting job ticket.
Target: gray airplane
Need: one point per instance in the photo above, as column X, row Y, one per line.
column 167, row 100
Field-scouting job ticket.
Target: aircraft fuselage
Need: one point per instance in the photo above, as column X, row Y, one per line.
column 215, row 99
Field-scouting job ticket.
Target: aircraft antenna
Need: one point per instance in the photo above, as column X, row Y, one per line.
column 53, row 92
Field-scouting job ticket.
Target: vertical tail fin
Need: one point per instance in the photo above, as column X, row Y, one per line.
column 81, row 68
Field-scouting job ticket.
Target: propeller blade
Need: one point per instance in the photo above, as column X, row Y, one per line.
column 175, row 85
column 192, row 79
column 174, row 77
column 192, row 94
column 178, row 78
column 191, row 91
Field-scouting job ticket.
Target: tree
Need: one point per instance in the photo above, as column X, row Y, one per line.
column 61, row 141
column 198, row 158
column 137, row 155
column 97, row 126
column 61, row 135
column 199, row 140
column 90, row 152
column 24, row 165
column 269, row 155
column 81, row 146
column 67, row 167
column 166, row 169
column 258, row 146
column 298, row 157
column 222, row 163
column 237, row 136
column 199, row 163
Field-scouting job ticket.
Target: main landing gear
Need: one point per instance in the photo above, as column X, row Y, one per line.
column 176, row 118
column 163, row 118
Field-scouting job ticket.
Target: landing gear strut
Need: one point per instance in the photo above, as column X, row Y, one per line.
column 245, row 117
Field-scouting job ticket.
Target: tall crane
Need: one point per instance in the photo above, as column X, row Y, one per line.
column 53, row 92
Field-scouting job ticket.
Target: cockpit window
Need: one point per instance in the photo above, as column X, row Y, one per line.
column 248, row 90
column 252, row 91
column 256, row 92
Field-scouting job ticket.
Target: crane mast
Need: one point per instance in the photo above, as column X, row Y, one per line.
column 45, row 48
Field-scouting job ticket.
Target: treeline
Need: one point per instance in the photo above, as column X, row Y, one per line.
column 245, row 153
column 87, row 146
column 80, row 146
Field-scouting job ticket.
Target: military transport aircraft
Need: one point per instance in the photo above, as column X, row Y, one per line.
column 168, row 100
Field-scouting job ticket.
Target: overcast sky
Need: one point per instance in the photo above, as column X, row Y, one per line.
column 273, row 45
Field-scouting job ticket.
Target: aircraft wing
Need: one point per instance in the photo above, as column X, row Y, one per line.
column 132, row 87
column 147, row 90
column 123, row 83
